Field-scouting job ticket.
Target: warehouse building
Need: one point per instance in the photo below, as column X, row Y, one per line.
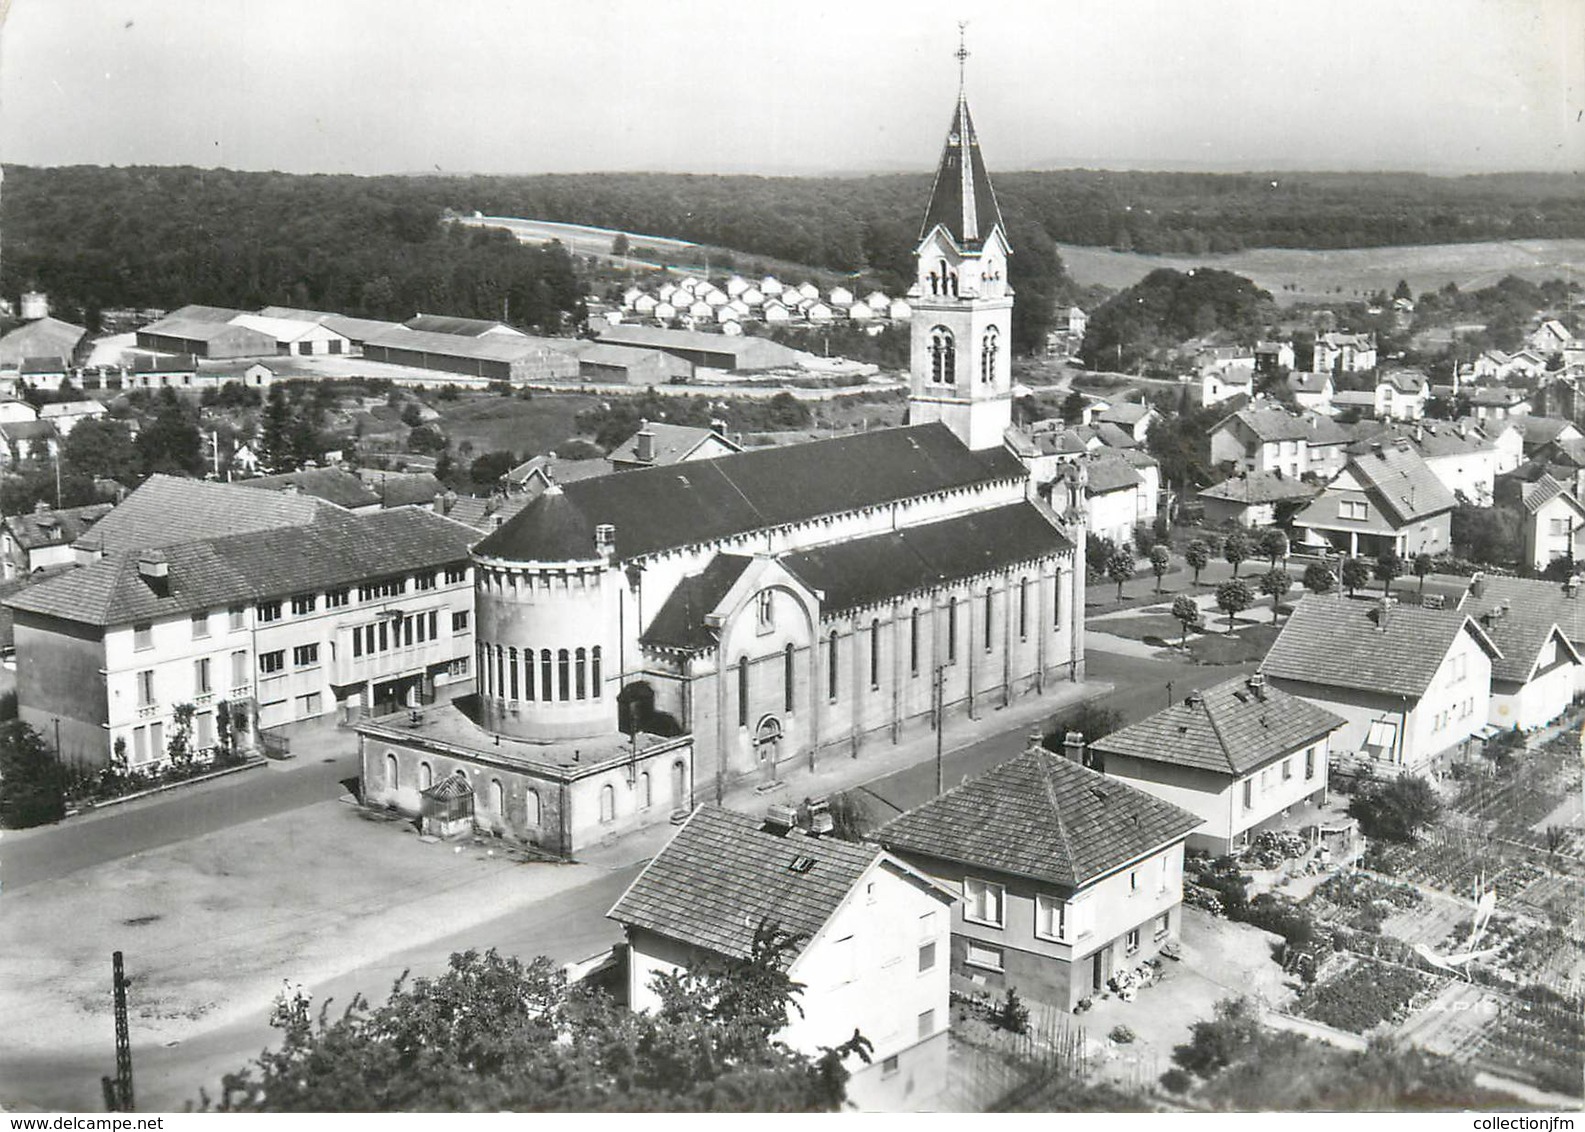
column 205, row 337
column 630, row 365
column 514, row 358
column 296, row 336
column 713, row 351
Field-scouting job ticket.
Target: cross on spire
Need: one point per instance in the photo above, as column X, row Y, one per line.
column 961, row 55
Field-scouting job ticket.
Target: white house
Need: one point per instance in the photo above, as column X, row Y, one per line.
column 1068, row 877
column 1264, row 438
column 1239, row 756
column 1413, row 683
column 1533, row 681
column 1549, row 338
column 1384, row 499
column 1313, row 391
column 1218, row 384
column 1534, row 601
column 840, row 297
column 1553, row 518
column 875, row 947
column 818, row 312
column 1345, row 353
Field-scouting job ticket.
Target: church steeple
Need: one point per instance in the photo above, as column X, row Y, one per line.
column 961, row 371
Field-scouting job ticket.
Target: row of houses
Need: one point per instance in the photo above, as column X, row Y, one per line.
column 699, row 302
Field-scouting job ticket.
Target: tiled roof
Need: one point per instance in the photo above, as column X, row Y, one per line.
column 1279, row 424
column 1259, row 487
column 1339, row 642
column 1540, row 430
column 1497, row 396
column 550, row 529
column 330, row 484
column 671, row 443
column 1301, row 382
column 1399, row 481
column 656, row 509
column 53, row 528
column 1406, row 380
column 1040, row 816
column 170, row 509
column 401, row 489
column 1231, row 729
column 961, row 199
column 748, row 352
column 1127, row 412
column 862, row 571
column 724, row 873
column 1432, row 439
column 1534, row 495
column 680, row 623
column 1528, row 600
column 250, row 567
column 17, row 431
column 1106, row 475
column 488, row 347
column 1114, row 436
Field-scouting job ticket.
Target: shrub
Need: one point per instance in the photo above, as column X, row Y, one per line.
column 35, row 784
column 1122, row 1035
column 1011, row 1014
column 1176, row 1081
column 1396, row 810
column 1216, row 1044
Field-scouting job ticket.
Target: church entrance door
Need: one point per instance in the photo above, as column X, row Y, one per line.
column 767, row 746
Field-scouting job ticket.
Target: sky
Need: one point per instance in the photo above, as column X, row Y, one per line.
column 794, row 86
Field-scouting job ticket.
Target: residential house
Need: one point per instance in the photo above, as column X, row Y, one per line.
column 25, row 440
column 1552, row 517
column 1272, row 439
column 1507, row 438
column 1549, row 338
column 1313, row 391
column 1413, row 683
column 333, row 485
column 535, row 474
column 1534, row 680
column 1536, row 432
column 1344, row 353
column 1385, row 500
column 1272, row 358
column 43, row 537
column 352, row 615
column 1460, row 456
column 657, row 442
column 873, row 939
column 1401, row 395
column 1498, row 402
column 1240, row 756
column 1219, row 384
column 1133, row 418
column 1068, row 877
column 1529, row 600
column 1117, row 497
column 1253, row 499
column 65, row 415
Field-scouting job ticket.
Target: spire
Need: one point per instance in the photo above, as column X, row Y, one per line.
column 962, row 200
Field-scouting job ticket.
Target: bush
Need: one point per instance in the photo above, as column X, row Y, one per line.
column 1011, row 1014
column 1176, row 1081
column 1396, row 810
column 1216, row 1044
column 1122, row 1035
column 35, row 784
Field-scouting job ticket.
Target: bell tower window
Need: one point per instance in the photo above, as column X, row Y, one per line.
column 990, row 344
column 943, row 357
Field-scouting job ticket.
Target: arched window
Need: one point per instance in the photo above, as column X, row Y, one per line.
column 990, row 344
column 941, row 267
column 875, row 652
column 989, row 595
column 531, row 807
column 831, row 665
column 1056, row 600
column 1023, row 608
column 500, row 670
column 742, row 691
column 482, row 667
column 528, row 674
column 393, row 777
column 607, row 803
column 787, row 663
column 644, row 797
column 581, row 673
column 497, row 798
column 943, row 357
column 952, row 630
column 426, row 776
column 679, row 783
column 511, row 668
column 545, row 680
column 563, row 675
column 594, row 672
column 913, row 641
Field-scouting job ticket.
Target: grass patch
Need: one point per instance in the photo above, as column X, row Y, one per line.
column 493, row 423
column 1151, row 628
column 1251, row 642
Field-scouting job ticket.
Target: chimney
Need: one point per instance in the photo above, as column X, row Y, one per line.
column 1257, row 684
column 1571, row 586
column 1477, row 585
column 1073, row 747
column 1193, row 700
column 40, row 507
column 605, row 541
column 645, row 451
column 780, row 819
column 1382, row 612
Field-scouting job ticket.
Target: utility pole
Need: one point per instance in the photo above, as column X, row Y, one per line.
column 940, row 714
column 118, row 1092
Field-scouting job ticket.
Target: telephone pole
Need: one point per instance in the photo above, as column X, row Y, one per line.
column 118, row 1091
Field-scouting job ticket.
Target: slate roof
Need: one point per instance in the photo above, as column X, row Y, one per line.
column 860, row 572
column 1433, row 439
column 170, row 509
column 1040, row 816
column 663, row 508
column 1400, row 482
column 723, row 873
column 1115, row 436
column 1540, row 430
column 672, row 443
column 1339, row 642
column 1230, row 729
column 1406, row 380
column 1259, row 487
column 330, row 484
column 52, row 528
column 210, row 573
column 961, row 199
column 18, row 431
column 1279, row 424
column 1533, row 496
column 1497, row 396
column 680, row 623
column 1529, row 600
column 1301, row 382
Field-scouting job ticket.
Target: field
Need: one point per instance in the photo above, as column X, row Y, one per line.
column 493, row 424
column 1322, row 275
column 580, row 239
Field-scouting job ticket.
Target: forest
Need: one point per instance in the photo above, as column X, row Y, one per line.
column 375, row 246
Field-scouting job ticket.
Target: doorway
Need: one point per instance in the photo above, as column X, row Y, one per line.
column 767, row 745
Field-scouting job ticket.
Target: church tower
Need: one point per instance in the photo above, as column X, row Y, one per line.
column 961, row 362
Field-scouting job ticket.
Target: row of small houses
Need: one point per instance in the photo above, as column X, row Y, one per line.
column 700, row 301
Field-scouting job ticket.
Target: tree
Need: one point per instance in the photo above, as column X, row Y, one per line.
column 101, row 448
column 412, row 415
column 1233, row 597
column 620, row 245
column 1120, row 568
column 1160, row 563
column 1396, row 810
column 1401, row 291
column 425, row 439
column 275, row 432
column 1488, row 535
column 1274, row 545
column 1088, row 719
column 1274, row 584
column 1388, row 566
column 1198, row 556
column 1073, row 404
column 1355, row 574
column 494, row 1033
column 171, row 443
column 1218, row 1043
column 1235, row 550
column 34, row 781
column 487, row 470
column 1318, row 579
column 1423, row 565
column 1187, row 613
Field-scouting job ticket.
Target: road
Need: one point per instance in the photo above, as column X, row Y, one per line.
column 567, row 927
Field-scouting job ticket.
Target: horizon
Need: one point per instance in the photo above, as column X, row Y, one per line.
column 1442, row 88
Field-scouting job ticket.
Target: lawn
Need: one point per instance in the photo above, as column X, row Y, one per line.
column 493, row 423
column 1250, row 642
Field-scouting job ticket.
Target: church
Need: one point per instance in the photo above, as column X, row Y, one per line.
column 643, row 640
